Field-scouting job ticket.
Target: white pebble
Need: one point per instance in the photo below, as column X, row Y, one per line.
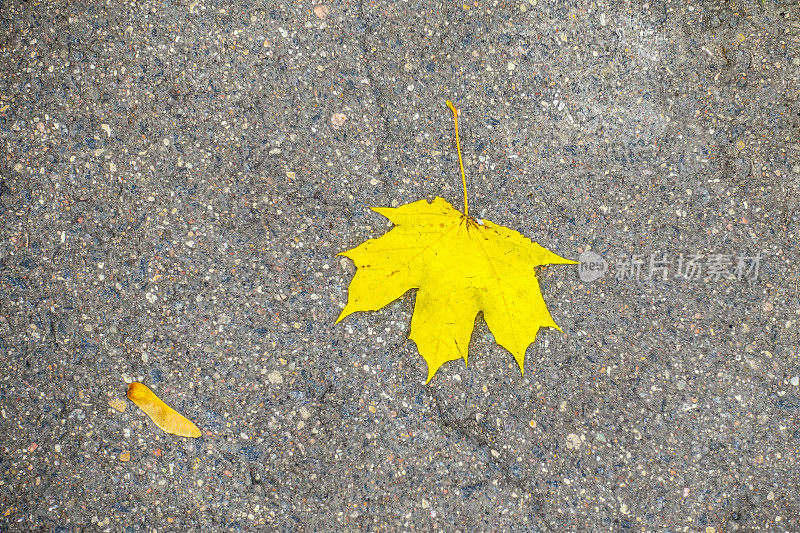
column 573, row 441
column 338, row 119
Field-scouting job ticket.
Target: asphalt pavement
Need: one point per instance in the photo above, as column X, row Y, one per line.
column 177, row 178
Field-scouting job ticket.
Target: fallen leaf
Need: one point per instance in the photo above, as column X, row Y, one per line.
column 164, row 416
column 461, row 266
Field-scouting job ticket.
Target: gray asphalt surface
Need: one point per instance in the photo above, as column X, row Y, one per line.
column 177, row 178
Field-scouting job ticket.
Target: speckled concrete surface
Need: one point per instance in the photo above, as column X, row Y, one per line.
column 178, row 176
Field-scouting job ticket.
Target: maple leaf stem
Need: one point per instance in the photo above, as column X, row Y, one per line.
column 460, row 163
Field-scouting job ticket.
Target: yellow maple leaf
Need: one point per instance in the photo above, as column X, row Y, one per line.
column 461, row 266
column 164, row 416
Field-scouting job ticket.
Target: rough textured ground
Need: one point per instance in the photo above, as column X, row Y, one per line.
column 177, row 178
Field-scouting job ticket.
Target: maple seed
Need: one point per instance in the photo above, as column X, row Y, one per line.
column 164, row 416
column 460, row 266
